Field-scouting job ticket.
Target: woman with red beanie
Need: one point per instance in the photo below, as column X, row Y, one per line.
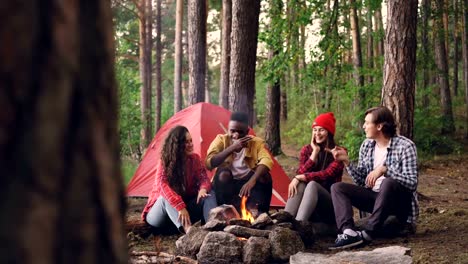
column 309, row 192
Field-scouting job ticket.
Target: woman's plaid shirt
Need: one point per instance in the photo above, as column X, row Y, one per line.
column 401, row 165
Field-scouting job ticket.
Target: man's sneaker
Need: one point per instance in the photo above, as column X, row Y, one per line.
column 346, row 241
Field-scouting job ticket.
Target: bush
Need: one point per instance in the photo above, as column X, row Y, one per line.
column 428, row 137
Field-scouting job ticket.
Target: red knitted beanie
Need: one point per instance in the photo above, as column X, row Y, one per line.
column 327, row 121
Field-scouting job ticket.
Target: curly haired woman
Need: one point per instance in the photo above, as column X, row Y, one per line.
column 181, row 191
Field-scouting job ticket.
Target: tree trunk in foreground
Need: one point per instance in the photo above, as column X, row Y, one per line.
column 61, row 197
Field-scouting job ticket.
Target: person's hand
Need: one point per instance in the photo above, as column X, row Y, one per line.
column 245, row 190
column 240, row 143
column 184, row 219
column 313, row 143
column 372, row 178
column 374, row 175
column 292, row 189
column 340, row 154
column 301, row 177
column 202, row 194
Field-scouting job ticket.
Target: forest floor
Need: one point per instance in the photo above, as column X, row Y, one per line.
column 442, row 230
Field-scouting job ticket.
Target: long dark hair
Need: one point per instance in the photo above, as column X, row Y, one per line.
column 173, row 158
column 324, row 157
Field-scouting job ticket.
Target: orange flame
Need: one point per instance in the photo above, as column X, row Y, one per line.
column 246, row 215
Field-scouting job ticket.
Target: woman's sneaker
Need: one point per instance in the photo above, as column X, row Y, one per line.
column 347, row 241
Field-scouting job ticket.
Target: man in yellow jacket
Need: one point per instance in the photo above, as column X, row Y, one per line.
column 243, row 164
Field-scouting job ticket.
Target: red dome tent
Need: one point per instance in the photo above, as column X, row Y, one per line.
column 204, row 121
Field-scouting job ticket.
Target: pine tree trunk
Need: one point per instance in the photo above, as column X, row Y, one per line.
column 456, row 56
column 284, row 105
column 225, row 54
column 207, row 86
column 302, row 62
column 272, row 115
column 370, row 45
column 465, row 60
column 145, row 72
column 178, row 56
column 357, row 55
column 379, row 30
column 158, row 87
column 272, row 120
column 62, row 195
column 207, row 70
column 442, row 68
column 245, row 14
column 445, row 19
column 398, row 90
column 197, row 50
column 425, row 15
column 149, row 62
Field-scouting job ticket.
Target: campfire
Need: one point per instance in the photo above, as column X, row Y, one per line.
column 243, row 237
column 245, row 213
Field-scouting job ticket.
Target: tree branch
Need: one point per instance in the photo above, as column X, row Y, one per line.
column 120, row 4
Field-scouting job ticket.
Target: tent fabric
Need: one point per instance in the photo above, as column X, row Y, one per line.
column 204, row 121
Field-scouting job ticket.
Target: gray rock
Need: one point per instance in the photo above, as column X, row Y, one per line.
column 306, row 231
column 256, row 250
column 242, row 231
column 262, row 221
column 223, row 212
column 220, row 248
column 284, row 243
column 189, row 244
column 387, row 255
column 215, row 225
column 282, row 216
column 285, row 225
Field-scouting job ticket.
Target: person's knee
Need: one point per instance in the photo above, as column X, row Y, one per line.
column 265, row 178
column 312, row 185
column 338, row 187
column 225, row 176
column 389, row 184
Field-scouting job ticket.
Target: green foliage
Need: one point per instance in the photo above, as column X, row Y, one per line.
column 298, row 131
column 352, row 142
column 427, row 136
column 129, row 167
column 129, row 113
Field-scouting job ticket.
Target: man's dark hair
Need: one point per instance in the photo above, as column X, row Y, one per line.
column 383, row 116
column 240, row 117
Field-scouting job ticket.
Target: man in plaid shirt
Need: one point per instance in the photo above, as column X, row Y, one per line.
column 386, row 178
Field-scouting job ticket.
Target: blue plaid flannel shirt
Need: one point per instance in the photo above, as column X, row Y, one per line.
column 401, row 165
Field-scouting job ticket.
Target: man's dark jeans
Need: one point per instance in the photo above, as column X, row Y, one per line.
column 393, row 199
